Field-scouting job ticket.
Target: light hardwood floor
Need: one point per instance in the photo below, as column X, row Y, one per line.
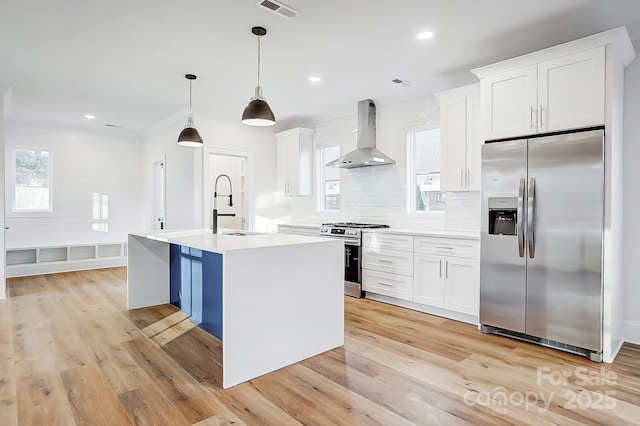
column 70, row 353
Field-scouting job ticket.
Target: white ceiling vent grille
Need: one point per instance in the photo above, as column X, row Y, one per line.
column 278, row 8
column 401, row 82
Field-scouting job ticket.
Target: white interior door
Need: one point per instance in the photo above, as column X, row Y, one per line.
column 158, row 220
column 238, row 165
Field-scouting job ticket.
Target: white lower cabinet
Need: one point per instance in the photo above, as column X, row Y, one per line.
column 392, row 261
column 434, row 274
column 387, row 265
column 446, row 282
column 428, row 282
column 392, row 285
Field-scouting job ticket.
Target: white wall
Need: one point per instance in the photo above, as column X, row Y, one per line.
column 184, row 171
column 378, row 194
column 83, row 163
column 631, row 196
column 2, row 219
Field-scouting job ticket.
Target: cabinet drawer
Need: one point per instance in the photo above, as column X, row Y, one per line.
column 392, row 285
column 447, row 247
column 387, row 241
column 393, row 261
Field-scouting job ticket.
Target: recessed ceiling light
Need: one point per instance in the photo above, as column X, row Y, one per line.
column 315, row 79
column 89, row 116
column 424, row 35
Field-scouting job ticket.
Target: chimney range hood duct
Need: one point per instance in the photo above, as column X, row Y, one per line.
column 366, row 153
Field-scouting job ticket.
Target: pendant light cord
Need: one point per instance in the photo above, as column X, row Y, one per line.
column 258, row 61
column 190, row 107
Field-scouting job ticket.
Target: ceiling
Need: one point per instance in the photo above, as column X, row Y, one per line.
column 124, row 61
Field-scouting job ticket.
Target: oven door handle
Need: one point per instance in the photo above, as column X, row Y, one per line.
column 351, row 242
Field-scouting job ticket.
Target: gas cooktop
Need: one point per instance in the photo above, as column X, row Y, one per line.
column 355, row 225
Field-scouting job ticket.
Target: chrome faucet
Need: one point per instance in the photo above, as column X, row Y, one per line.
column 215, row 202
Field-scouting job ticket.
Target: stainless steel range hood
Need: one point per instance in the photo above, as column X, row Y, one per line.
column 366, row 154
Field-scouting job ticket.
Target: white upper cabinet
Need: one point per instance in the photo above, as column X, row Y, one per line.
column 561, row 92
column 509, row 103
column 460, row 127
column 294, row 156
column 571, row 91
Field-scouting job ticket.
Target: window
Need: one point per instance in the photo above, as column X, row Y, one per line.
column 100, row 212
column 32, row 180
column 328, row 177
column 423, row 186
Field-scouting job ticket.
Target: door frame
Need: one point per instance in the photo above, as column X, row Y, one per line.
column 207, row 187
column 4, row 95
column 163, row 191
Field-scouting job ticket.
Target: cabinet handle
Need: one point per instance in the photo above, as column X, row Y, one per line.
column 446, row 269
column 461, row 177
column 531, row 122
column 440, row 273
column 385, row 284
column 444, row 248
column 541, row 112
column 385, row 261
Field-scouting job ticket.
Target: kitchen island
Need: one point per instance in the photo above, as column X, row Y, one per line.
column 271, row 299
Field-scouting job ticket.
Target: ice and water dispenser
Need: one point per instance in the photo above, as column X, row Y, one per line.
column 503, row 215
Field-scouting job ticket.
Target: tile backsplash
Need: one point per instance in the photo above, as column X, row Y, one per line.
column 379, row 194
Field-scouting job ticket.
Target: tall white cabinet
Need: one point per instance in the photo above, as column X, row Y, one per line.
column 460, row 126
column 571, row 86
column 294, row 159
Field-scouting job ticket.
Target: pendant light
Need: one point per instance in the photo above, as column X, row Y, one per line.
column 189, row 136
column 257, row 112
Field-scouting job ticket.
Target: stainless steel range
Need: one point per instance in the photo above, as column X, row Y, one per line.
column 351, row 233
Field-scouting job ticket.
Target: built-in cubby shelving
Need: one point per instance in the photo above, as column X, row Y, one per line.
column 25, row 261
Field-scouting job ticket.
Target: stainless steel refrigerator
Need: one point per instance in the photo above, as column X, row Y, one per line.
column 542, row 240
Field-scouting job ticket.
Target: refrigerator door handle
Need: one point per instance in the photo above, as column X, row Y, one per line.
column 530, row 224
column 520, row 218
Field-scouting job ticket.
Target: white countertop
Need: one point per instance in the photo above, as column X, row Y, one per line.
column 401, row 231
column 222, row 242
column 301, row 225
column 427, row 233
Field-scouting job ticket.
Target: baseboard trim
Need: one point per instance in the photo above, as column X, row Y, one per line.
column 445, row 313
column 631, row 332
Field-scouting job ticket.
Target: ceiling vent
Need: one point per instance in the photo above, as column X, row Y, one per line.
column 278, row 8
column 402, row 82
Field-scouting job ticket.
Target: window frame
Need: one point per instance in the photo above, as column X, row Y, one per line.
column 411, row 195
column 320, row 183
column 12, row 180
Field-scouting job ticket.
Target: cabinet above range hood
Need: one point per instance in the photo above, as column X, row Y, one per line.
column 365, row 154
